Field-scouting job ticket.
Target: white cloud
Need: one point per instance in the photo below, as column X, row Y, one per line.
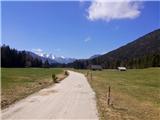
column 87, row 39
column 108, row 10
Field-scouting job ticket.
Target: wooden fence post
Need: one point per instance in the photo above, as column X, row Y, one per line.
column 91, row 75
column 87, row 73
column 109, row 95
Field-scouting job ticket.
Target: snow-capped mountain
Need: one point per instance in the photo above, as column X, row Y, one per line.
column 64, row 60
column 61, row 59
column 52, row 58
column 41, row 57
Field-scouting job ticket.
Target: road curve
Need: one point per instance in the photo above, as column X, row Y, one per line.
column 72, row 98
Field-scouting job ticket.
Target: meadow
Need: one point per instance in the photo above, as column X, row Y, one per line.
column 17, row 83
column 135, row 93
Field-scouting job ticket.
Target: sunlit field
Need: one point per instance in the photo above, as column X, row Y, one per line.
column 135, row 94
column 17, row 83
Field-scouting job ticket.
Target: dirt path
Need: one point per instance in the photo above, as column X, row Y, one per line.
column 73, row 98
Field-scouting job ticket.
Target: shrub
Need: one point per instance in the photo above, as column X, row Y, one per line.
column 66, row 73
column 54, row 78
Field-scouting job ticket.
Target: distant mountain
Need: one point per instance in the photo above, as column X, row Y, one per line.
column 43, row 58
column 53, row 59
column 64, row 60
column 141, row 53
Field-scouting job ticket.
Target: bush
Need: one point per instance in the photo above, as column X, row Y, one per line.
column 54, row 78
column 66, row 73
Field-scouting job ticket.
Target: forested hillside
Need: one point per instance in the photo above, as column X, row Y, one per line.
column 141, row 53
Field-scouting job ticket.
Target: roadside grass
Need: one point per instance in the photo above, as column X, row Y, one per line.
column 17, row 83
column 135, row 94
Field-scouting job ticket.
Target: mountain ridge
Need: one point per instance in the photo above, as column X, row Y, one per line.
column 53, row 58
column 140, row 53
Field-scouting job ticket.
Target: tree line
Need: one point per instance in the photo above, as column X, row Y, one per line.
column 133, row 63
column 13, row 58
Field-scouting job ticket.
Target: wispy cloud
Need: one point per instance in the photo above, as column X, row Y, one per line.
column 108, row 10
column 87, row 39
column 57, row 49
column 38, row 50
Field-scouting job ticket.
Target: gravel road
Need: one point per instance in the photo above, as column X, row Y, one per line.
column 72, row 98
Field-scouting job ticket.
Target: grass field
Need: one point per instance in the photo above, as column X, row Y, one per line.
column 17, row 83
column 135, row 94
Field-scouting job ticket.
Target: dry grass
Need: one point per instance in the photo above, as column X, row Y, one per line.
column 135, row 94
column 18, row 83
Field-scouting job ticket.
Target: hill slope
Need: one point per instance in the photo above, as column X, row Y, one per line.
column 148, row 44
column 141, row 53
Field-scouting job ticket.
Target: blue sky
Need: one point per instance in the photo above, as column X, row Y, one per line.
column 76, row 29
